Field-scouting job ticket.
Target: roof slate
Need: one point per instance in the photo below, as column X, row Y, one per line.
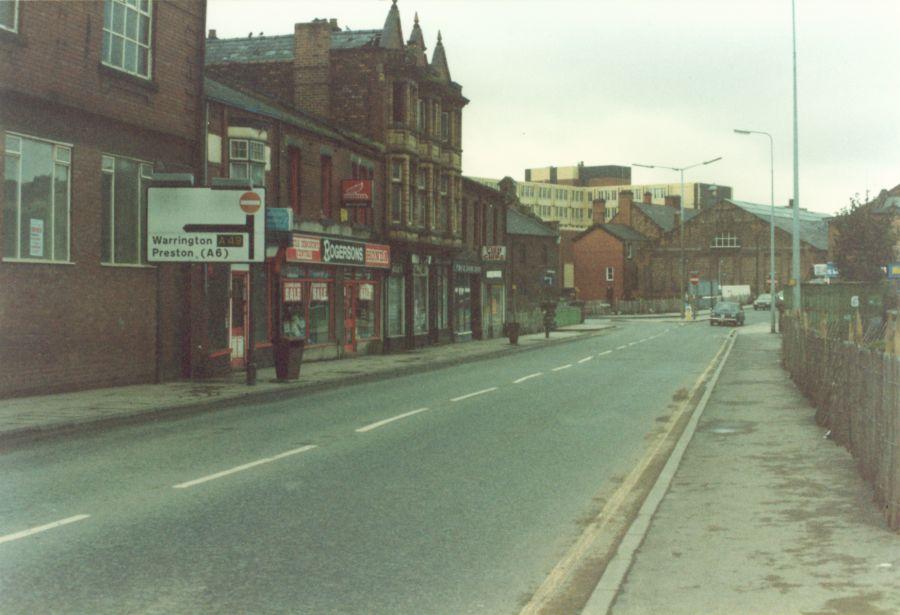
column 813, row 225
column 518, row 223
column 623, row 232
column 220, row 92
column 246, row 50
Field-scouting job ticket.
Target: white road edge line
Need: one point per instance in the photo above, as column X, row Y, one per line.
column 586, row 359
column 42, row 528
column 372, row 426
column 467, row 396
column 566, row 366
column 616, row 571
column 245, row 466
column 605, row 352
column 528, row 377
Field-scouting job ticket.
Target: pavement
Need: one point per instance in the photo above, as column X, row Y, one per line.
column 764, row 514
column 26, row 418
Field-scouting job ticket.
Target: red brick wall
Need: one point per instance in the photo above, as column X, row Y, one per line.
column 593, row 253
column 272, row 79
column 83, row 324
column 56, row 56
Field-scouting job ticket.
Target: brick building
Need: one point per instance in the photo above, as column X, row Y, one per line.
column 533, row 252
column 323, row 264
column 94, row 97
column 728, row 244
column 372, row 83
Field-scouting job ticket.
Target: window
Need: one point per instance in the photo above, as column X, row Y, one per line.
column 629, row 250
column 362, row 169
column 399, row 102
column 725, row 240
column 126, row 36
column 609, row 274
column 123, row 235
column 36, row 199
column 294, row 178
column 396, row 190
column 9, row 15
column 420, row 115
column 445, row 126
column 396, row 305
column 421, row 185
column 247, row 160
column 326, row 185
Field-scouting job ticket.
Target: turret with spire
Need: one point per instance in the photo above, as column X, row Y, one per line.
column 392, row 33
column 416, row 44
column 439, row 60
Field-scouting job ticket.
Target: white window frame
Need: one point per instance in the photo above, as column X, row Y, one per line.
column 15, row 21
column 145, row 173
column 610, row 274
column 396, row 190
column 138, row 8
column 726, row 240
column 61, row 154
column 249, row 155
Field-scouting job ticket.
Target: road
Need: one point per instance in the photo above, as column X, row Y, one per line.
column 452, row 491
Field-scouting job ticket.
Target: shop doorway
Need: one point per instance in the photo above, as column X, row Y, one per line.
column 239, row 317
column 349, row 318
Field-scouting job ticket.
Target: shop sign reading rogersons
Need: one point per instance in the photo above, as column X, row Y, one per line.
column 333, row 251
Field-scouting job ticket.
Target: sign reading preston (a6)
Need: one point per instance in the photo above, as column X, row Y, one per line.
column 202, row 225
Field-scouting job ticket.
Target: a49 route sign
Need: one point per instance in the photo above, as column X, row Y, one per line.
column 201, row 225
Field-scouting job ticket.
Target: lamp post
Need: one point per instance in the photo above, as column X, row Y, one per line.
column 795, row 225
column 680, row 170
column 771, row 219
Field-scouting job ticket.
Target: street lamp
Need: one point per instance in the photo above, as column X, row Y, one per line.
column 795, row 223
column 771, row 219
column 680, row 170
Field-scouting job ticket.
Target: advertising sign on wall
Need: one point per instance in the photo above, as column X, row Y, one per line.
column 293, row 291
column 493, row 253
column 334, row 251
column 356, row 192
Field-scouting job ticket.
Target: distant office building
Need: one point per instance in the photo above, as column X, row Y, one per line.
column 570, row 205
column 580, row 175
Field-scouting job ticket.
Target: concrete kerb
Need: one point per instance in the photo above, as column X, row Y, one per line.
column 24, row 435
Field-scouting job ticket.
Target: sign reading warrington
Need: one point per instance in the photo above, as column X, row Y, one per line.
column 202, row 225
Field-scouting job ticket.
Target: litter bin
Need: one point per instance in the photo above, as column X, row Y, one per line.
column 512, row 330
column 288, row 355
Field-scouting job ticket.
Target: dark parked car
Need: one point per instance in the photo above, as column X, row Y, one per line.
column 763, row 302
column 726, row 312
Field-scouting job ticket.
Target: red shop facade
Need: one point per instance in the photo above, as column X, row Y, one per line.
column 329, row 290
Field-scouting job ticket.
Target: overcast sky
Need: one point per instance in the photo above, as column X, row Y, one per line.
column 657, row 82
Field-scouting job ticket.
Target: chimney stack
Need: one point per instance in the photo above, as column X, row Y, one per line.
column 599, row 211
column 673, row 201
column 212, row 34
column 626, row 198
column 312, row 66
column 648, row 197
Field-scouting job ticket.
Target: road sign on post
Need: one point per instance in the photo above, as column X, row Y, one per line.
column 201, row 225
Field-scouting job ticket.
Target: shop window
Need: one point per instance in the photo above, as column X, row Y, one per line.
column 396, row 289
column 366, row 310
column 36, row 199
column 325, row 172
column 247, row 160
column 319, row 328
column 420, row 300
column 123, row 236
column 126, row 36
column 9, row 15
column 462, row 296
column 440, row 278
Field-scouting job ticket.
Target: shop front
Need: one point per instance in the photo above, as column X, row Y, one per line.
column 330, row 292
column 493, row 290
column 466, row 281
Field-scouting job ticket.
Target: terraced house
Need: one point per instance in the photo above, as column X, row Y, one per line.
column 376, row 85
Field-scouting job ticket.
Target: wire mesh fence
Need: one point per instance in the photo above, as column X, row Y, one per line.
column 851, row 373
